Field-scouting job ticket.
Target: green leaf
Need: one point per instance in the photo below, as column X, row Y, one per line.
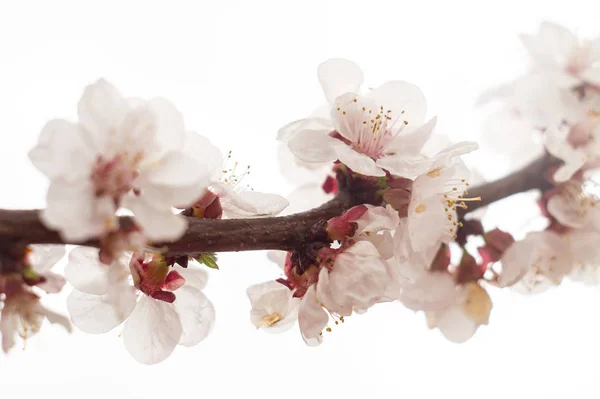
column 209, row 259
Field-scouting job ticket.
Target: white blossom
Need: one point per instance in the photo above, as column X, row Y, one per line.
column 122, row 153
column 105, row 296
column 381, row 130
column 274, row 307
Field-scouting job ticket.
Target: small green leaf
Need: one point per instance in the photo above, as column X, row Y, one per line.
column 209, row 259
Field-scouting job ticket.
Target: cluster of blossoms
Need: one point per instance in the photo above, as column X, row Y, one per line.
column 127, row 177
column 557, row 105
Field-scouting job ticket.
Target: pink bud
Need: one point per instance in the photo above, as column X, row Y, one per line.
column 343, row 226
column 165, row 296
column 173, row 280
column 330, row 185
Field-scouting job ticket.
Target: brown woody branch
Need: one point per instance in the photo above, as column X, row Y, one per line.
column 20, row 227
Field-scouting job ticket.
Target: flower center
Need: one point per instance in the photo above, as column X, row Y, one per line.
column 369, row 129
column 114, row 177
column 271, row 320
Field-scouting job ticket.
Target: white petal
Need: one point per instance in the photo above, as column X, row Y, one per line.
column 157, row 224
column 426, row 223
column 313, row 123
column 196, row 314
column 313, row 146
column 61, row 151
column 455, row 325
column 339, row 76
column 152, row 331
column 178, row 169
column 44, row 257
column 270, row 298
column 73, row 210
column 194, row 276
column 406, row 101
column 312, row 319
column 377, row 218
column 277, row 257
column 98, row 314
column 359, row 163
column 566, row 212
column 85, row 272
column 411, row 143
column 431, row 291
column 252, row 203
column 409, row 167
column 208, row 157
column 101, row 110
column 170, row 132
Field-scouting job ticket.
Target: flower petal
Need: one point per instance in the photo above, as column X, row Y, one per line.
column 101, row 110
column 339, row 76
column 359, row 163
column 406, row 101
column 152, row 331
column 85, row 272
column 98, row 314
column 208, row 157
column 592, row 75
column 59, row 149
column 196, row 314
column 170, row 134
column 194, row 276
column 157, row 224
column 177, row 169
column 314, row 146
column 249, row 203
column 44, row 257
column 312, row 319
column 313, row 123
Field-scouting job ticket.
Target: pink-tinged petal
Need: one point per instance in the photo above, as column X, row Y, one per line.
column 196, row 314
column 313, row 146
column 53, row 283
column 405, row 166
column 249, row 203
column 152, row 331
column 313, row 123
column 157, row 224
column 61, row 151
column 85, row 272
column 98, row 314
column 273, row 306
column 339, row 76
column 101, row 110
column 208, row 157
column 406, row 101
column 55, row 318
column 566, row 212
column 73, row 210
column 516, row 261
column 592, row 75
column 312, row 319
column 359, row 163
column 44, row 257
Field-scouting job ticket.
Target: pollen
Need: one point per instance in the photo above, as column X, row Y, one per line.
column 271, row 319
column 421, row 208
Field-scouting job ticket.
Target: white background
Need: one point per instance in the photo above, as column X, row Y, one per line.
column 238, row 71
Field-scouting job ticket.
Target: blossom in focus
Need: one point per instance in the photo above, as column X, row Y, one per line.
column 121, row 154
column 459, row 321
column 382, row 130
column 162, row 307
column 224, row 194
column 353, row 277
